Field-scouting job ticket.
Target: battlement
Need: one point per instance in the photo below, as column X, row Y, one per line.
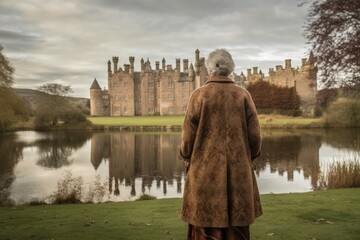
column 146, row 66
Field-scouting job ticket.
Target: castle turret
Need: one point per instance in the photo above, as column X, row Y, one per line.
column 248, row 72
column 95, row 99
column 255, row 70
column 115, row 61
column 132, row 60
column 109, row 69
column 191, row 72
column 186, row 64
column 157, row 63
column 127, row 68
column 178, row 64
column 287, row 63
column 197, row 62
column 163, row 63
column 142, row 64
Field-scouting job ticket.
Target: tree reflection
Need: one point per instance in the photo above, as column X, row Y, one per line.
column 55, row 150
column 10, row 154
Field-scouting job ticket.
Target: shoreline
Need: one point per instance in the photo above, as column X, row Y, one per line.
column 322, row 215
column 169, row 124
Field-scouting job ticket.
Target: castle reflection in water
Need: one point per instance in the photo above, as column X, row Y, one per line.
column 153, row 158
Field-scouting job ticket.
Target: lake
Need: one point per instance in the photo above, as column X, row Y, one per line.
column 133, row 164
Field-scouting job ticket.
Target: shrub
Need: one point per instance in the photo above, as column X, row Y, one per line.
column 274, row 99
column 342, row 175
column 69, row 190
column 343, row 112
column 73, row 116
column 145, row 197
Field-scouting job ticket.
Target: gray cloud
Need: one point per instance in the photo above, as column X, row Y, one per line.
column 71, row 41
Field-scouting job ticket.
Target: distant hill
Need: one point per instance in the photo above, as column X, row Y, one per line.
column 32, row 99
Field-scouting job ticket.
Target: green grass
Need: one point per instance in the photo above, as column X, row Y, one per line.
column 333, row 214
column 266, row 121
column 138, row 121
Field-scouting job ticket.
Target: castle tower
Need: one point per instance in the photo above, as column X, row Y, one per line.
column 178, row 64
column 109, row 69
column 157, row 64
column 186, row 64
column 191, row 73
column 115, row 61
column 163, row 64
column 96, row 104
column 142, row 64
column 197, row 62
column 132, row 60
column 287, row 63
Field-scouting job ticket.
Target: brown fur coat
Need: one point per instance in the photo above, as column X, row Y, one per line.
column 220, row 139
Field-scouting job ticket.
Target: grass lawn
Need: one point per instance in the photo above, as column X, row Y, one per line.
column 327, row 215
column 138, row 121
column 266, row 121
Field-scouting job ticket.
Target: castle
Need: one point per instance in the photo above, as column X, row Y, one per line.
column 166, row 90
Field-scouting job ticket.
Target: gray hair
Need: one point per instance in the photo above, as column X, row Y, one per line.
column 220, row 63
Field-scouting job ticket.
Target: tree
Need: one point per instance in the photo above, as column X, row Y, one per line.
column 6, row 71
column 333, row 30
column 12, row 108
column 53, row 103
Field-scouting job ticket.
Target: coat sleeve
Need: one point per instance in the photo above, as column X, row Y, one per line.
column 189, row 129
column 253, row 128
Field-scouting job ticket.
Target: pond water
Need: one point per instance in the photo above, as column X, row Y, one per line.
column 133, row 164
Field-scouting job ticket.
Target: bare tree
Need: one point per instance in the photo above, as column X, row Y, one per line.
column 333, row 30
column 54, row 103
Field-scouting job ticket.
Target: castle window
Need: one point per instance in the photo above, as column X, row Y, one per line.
column 150, row 84
column 126, row 97
column 151, row 110
column 170, row 85
column 105, row 97
column 170, row 96
column 151, row 96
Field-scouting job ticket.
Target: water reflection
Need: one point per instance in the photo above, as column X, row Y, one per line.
column 31, row 163
column 290, row 152
column 151, row 157
column 11, row 152
column 56, row 149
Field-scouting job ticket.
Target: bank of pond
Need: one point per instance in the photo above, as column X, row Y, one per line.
column 332, row 215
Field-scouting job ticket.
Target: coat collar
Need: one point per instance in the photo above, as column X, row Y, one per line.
column 219, row 79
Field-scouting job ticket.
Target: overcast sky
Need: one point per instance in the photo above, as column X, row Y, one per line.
column 70, row 41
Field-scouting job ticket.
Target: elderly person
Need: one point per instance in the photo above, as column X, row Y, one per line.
column 220, row 140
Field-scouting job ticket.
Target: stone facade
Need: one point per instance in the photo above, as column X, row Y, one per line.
column 166, row 90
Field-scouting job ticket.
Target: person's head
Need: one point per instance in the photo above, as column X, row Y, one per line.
column 220, row 63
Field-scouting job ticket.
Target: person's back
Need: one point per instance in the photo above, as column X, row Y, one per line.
column 220, row 138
